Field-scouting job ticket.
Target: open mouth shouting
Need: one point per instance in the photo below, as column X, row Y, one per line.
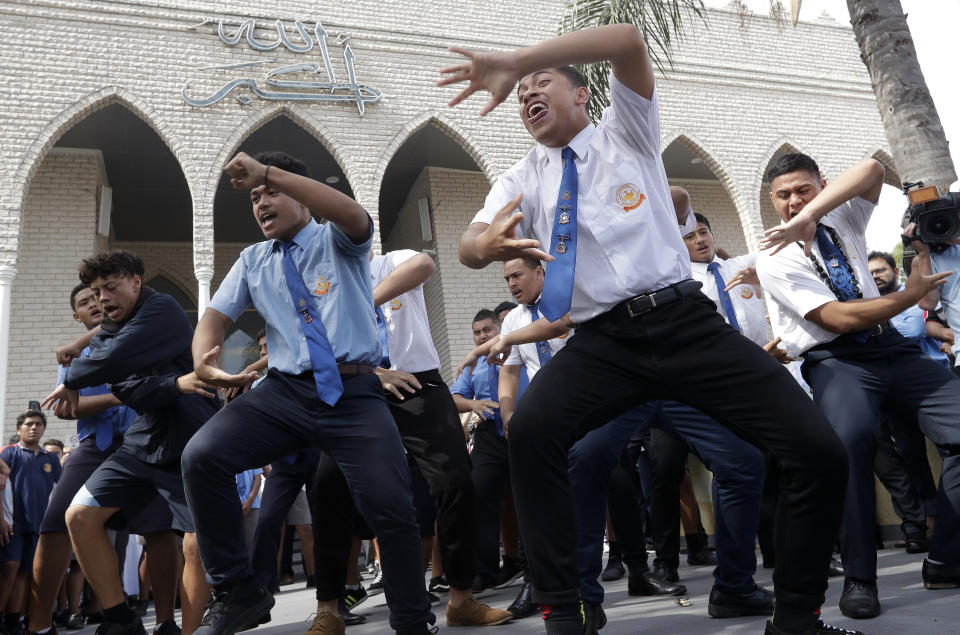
column 536, row 111
column 266, row 219
column 112, row 310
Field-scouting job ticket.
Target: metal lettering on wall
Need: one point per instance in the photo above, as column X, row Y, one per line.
column 279, row 88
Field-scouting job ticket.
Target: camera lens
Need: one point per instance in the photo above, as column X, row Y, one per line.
column 939, row 226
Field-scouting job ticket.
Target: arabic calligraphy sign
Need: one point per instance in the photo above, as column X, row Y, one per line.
column 278, row 88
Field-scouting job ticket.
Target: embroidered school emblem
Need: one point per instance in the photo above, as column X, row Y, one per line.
column 630, row 197
column 566, row 195
column 47, row 468
column 321, row 286
column 746, row 292
column 395, row 304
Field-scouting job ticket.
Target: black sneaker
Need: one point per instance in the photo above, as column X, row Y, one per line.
column 439, row 584
column 349, row 619
column 229, row 611
column 615, row 569
column 167, row 628
column 510, row 571
column 377, row 585
column 817, row 629
column 565, row 620
column 596, row 617
column 135, row 627
column 75, row 622
column 355, row 597
column 434, row 599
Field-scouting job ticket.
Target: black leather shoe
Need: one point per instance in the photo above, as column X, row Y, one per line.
column 229, row 611
column 836, row 568
column 817, row 629
column 702, row 558
column 646, row 584
column 615, row 569
column 134, row 627
column 524, row 606
column 667, row 574
column 940, row 576
column 916, row 545
column 759, row 601
column 349, row 619
column 859, row 599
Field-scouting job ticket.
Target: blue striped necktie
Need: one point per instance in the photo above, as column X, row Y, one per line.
column 558, row 283
column 725, row 302
column 324, row 363
column 543, row 348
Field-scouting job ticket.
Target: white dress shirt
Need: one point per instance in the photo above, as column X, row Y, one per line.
column 627, row 240
column 409, row 340
column 526, row 354
column 794, row 288
column 747, row 303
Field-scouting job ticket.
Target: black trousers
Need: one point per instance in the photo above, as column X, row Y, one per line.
column 279, row 493
column 283, row 415
column 683, row 351
column 491, row 477
column 431, row 433
column 850, row 382
column 892, row 472
column 668, row 460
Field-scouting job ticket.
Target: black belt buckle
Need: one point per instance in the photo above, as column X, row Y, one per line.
column 647, row 302
column 641, row 304
column 879, row 329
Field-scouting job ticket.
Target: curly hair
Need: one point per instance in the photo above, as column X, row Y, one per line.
column 112, row 263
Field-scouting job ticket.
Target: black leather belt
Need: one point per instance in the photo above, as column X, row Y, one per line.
column 879, row 329
column 649, row 301
column 352, row 370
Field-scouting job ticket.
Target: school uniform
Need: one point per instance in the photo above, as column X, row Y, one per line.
column 99, row 435
column 141, row 360
column 331, row 332
column 851, row 374
column 32, row 477
column 628, row 350
column 245, row 481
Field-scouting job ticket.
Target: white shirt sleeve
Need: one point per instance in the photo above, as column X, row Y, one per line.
column 853, row 216
column 400, row 256
column 510, row 325
column 792, row 283
column 501, row 193
column 634, row 118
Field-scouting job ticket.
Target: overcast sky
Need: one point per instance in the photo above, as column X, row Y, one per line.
column 931, row 23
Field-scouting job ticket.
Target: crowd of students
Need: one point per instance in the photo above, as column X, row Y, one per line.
column 633, row 341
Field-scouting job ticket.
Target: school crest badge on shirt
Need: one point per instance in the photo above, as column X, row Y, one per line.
column 47, row 468
column 746, row 292
column 395, row 304
column 321, row 286
column 630, row 197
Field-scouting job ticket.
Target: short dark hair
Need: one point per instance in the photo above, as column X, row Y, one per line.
column 73, row 295
column 702, row 219
column 531, row 262
column 261, row 333
column 112, row 263
column 56, row 442
column 284, row 161
column 573, row 75
column 885, row 256
column 506, row 305
column 31, row 413
column 486, row 314
column 793, row 162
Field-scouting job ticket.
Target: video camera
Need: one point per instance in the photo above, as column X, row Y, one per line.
column 937, row 217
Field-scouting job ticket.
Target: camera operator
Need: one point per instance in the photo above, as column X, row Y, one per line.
column 827, row 309
column 943, row 257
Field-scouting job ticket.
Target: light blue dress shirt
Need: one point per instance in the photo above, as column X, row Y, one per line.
column 120, row 417
column 911, row 325
column 336, row 272
column 949, row 260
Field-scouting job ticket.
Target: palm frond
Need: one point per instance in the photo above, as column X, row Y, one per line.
column 660, row 22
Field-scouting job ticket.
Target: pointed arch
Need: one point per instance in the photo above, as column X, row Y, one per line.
column 709, row 158
column 302, row 118
column 445, row 125
column 768, row 216
column 78, row 111
column 171, row 278
column 783, row 143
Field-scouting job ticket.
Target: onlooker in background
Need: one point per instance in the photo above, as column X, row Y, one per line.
column 248, row 487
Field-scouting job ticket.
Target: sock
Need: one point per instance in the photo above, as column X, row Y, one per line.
column 572, row 612
column 791, row 619
column 615, row 548
column 119, row 614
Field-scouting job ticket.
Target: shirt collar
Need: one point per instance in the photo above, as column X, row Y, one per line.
column 580, row 144
column 40, row 449
column 303, row 237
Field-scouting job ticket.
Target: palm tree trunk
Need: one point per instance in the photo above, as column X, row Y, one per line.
column 910, row 119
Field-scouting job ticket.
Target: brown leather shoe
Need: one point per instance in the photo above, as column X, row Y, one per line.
column 473, row 613
column 326, row 623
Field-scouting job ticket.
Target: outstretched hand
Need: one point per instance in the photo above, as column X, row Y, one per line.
column 494, row 71
column 65, row 400
column 245, row 172
column 499, row 240
column 499, row 353
column 747, row 275
column 801, row 228
column 209, row 373
column 395, row 380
